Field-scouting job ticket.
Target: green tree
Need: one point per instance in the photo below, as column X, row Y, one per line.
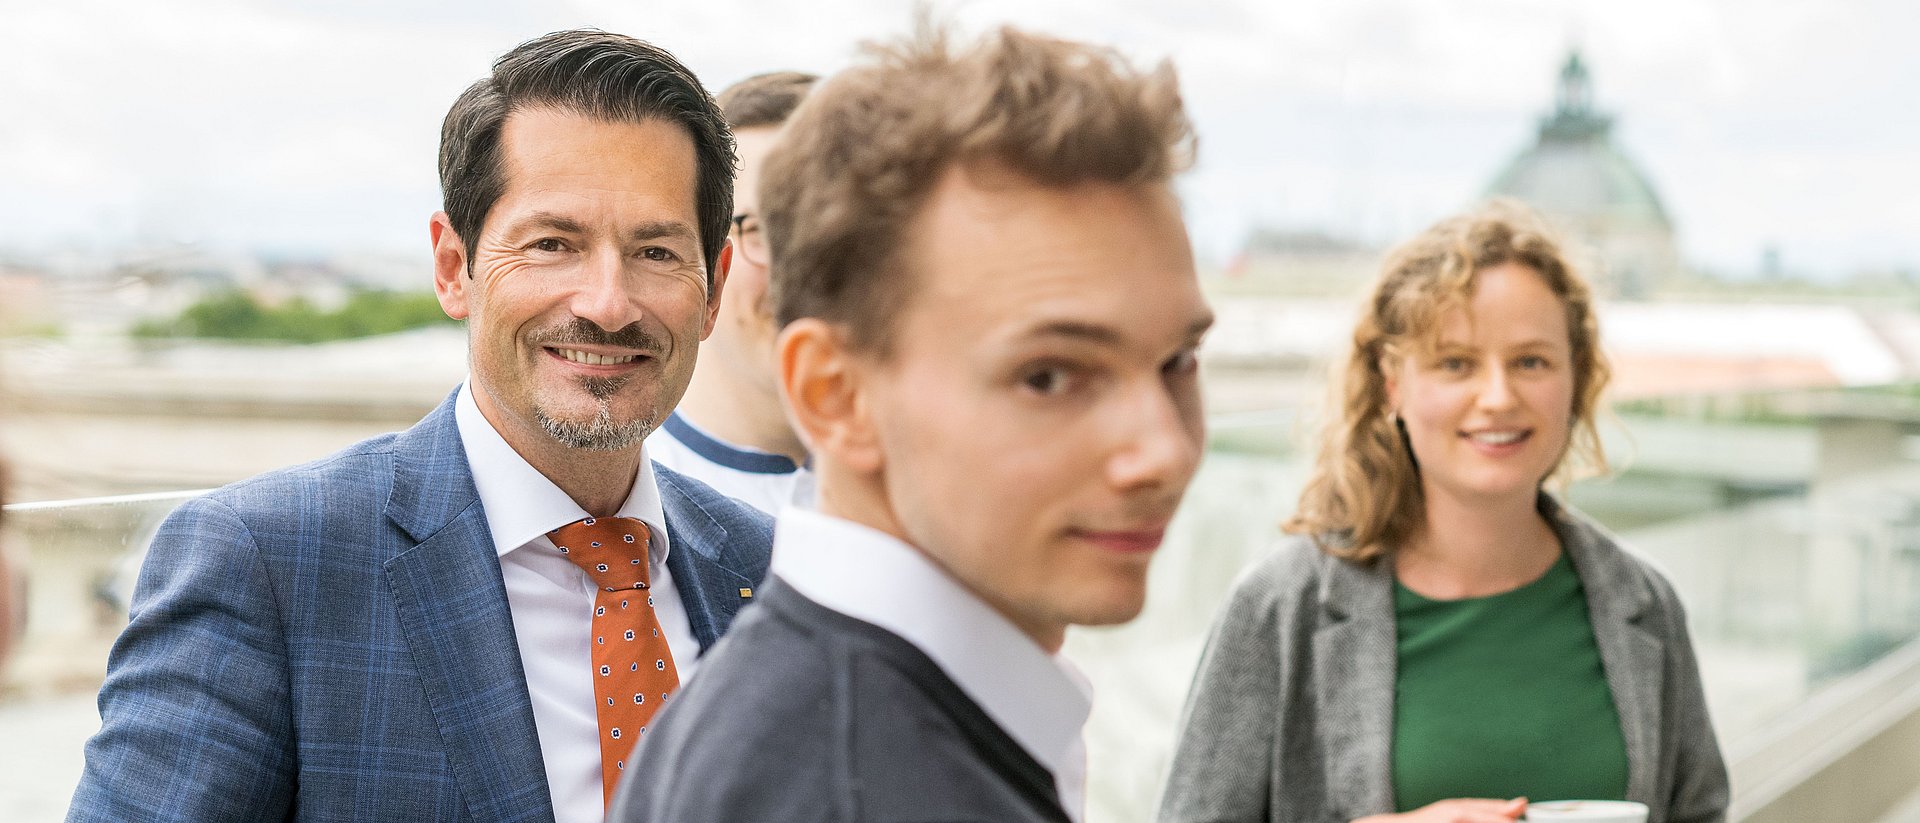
column 235, row 315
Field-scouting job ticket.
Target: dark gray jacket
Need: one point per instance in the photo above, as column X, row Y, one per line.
column 1291, row 714
column 805, row 715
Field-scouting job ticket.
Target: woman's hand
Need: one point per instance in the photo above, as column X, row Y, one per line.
column 1458, row 811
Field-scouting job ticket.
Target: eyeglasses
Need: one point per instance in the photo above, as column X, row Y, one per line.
column 749, row 239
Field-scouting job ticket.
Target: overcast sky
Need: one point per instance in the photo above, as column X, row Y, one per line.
column 305, row 126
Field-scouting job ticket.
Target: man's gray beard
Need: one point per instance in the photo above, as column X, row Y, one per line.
column 601, row 433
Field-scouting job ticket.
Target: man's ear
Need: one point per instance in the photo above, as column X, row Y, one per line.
column 721, row 265
column 825, row 386
column 450, row 274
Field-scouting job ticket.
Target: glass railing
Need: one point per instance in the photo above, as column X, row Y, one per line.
column 1796, row 548
column 79, row 557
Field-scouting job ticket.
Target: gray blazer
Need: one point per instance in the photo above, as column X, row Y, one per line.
column 1291, row 714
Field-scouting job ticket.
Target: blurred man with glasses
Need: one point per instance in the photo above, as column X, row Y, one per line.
column 729, row 430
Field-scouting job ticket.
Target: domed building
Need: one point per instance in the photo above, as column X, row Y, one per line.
column 1577, row 177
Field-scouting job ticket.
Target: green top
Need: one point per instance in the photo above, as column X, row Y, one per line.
column 1503, row 696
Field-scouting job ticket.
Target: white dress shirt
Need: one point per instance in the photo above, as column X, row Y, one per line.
column 552, row 603
column 1039, row 699
column 764, row 480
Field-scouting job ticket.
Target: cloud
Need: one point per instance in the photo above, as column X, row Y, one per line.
column 313, row 124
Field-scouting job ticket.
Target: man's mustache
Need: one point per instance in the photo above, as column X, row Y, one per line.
column 580, row 331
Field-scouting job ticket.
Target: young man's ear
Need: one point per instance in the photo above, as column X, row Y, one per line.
column 821, row 384
column 451, row 275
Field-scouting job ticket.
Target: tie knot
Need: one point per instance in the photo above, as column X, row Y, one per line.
column 612, row 550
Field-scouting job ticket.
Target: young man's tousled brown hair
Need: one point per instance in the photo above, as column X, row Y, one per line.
column 860, row 156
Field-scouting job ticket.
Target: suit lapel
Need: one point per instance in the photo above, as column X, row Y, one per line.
column 711, row 581
column 1631, row 654
column 1354, row 664
column 452, row 608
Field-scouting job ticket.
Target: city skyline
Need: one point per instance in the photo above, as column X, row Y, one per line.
column 308, row 128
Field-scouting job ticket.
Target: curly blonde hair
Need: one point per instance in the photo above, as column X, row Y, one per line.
column 1363, row 497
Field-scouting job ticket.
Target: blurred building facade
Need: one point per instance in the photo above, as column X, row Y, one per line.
column 1576, row 175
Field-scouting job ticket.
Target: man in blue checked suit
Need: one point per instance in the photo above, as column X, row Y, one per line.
column 399, row 632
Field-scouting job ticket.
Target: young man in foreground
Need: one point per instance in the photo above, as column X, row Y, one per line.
column 990, row 316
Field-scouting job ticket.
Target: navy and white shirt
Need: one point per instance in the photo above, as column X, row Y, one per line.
column 766, row 481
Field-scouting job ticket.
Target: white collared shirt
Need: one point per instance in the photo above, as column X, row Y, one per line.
column 764, row 480
column 551, row 600
column 1039, row 699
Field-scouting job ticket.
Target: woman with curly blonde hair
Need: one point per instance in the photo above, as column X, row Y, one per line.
column 1442, row 638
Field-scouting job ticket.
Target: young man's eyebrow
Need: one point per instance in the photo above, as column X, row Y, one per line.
column 1105, row 334
column 1090, row 332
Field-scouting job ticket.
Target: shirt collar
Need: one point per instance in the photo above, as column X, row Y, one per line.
column 522, row 505
column 866, row 574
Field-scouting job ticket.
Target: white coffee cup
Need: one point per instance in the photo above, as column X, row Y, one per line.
column 1587, row 811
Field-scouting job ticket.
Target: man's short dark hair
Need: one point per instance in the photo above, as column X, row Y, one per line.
column 596, row 74
column 765, row 99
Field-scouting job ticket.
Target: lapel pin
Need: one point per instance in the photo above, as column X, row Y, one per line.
column 746, row 593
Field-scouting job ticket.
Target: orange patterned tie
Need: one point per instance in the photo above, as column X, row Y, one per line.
column 633, row 669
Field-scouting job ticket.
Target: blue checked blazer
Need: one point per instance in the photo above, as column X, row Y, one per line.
column 332, row 642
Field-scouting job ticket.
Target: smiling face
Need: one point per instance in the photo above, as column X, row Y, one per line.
column 1037, row 416
column 1488, row 407
column 586, row 295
